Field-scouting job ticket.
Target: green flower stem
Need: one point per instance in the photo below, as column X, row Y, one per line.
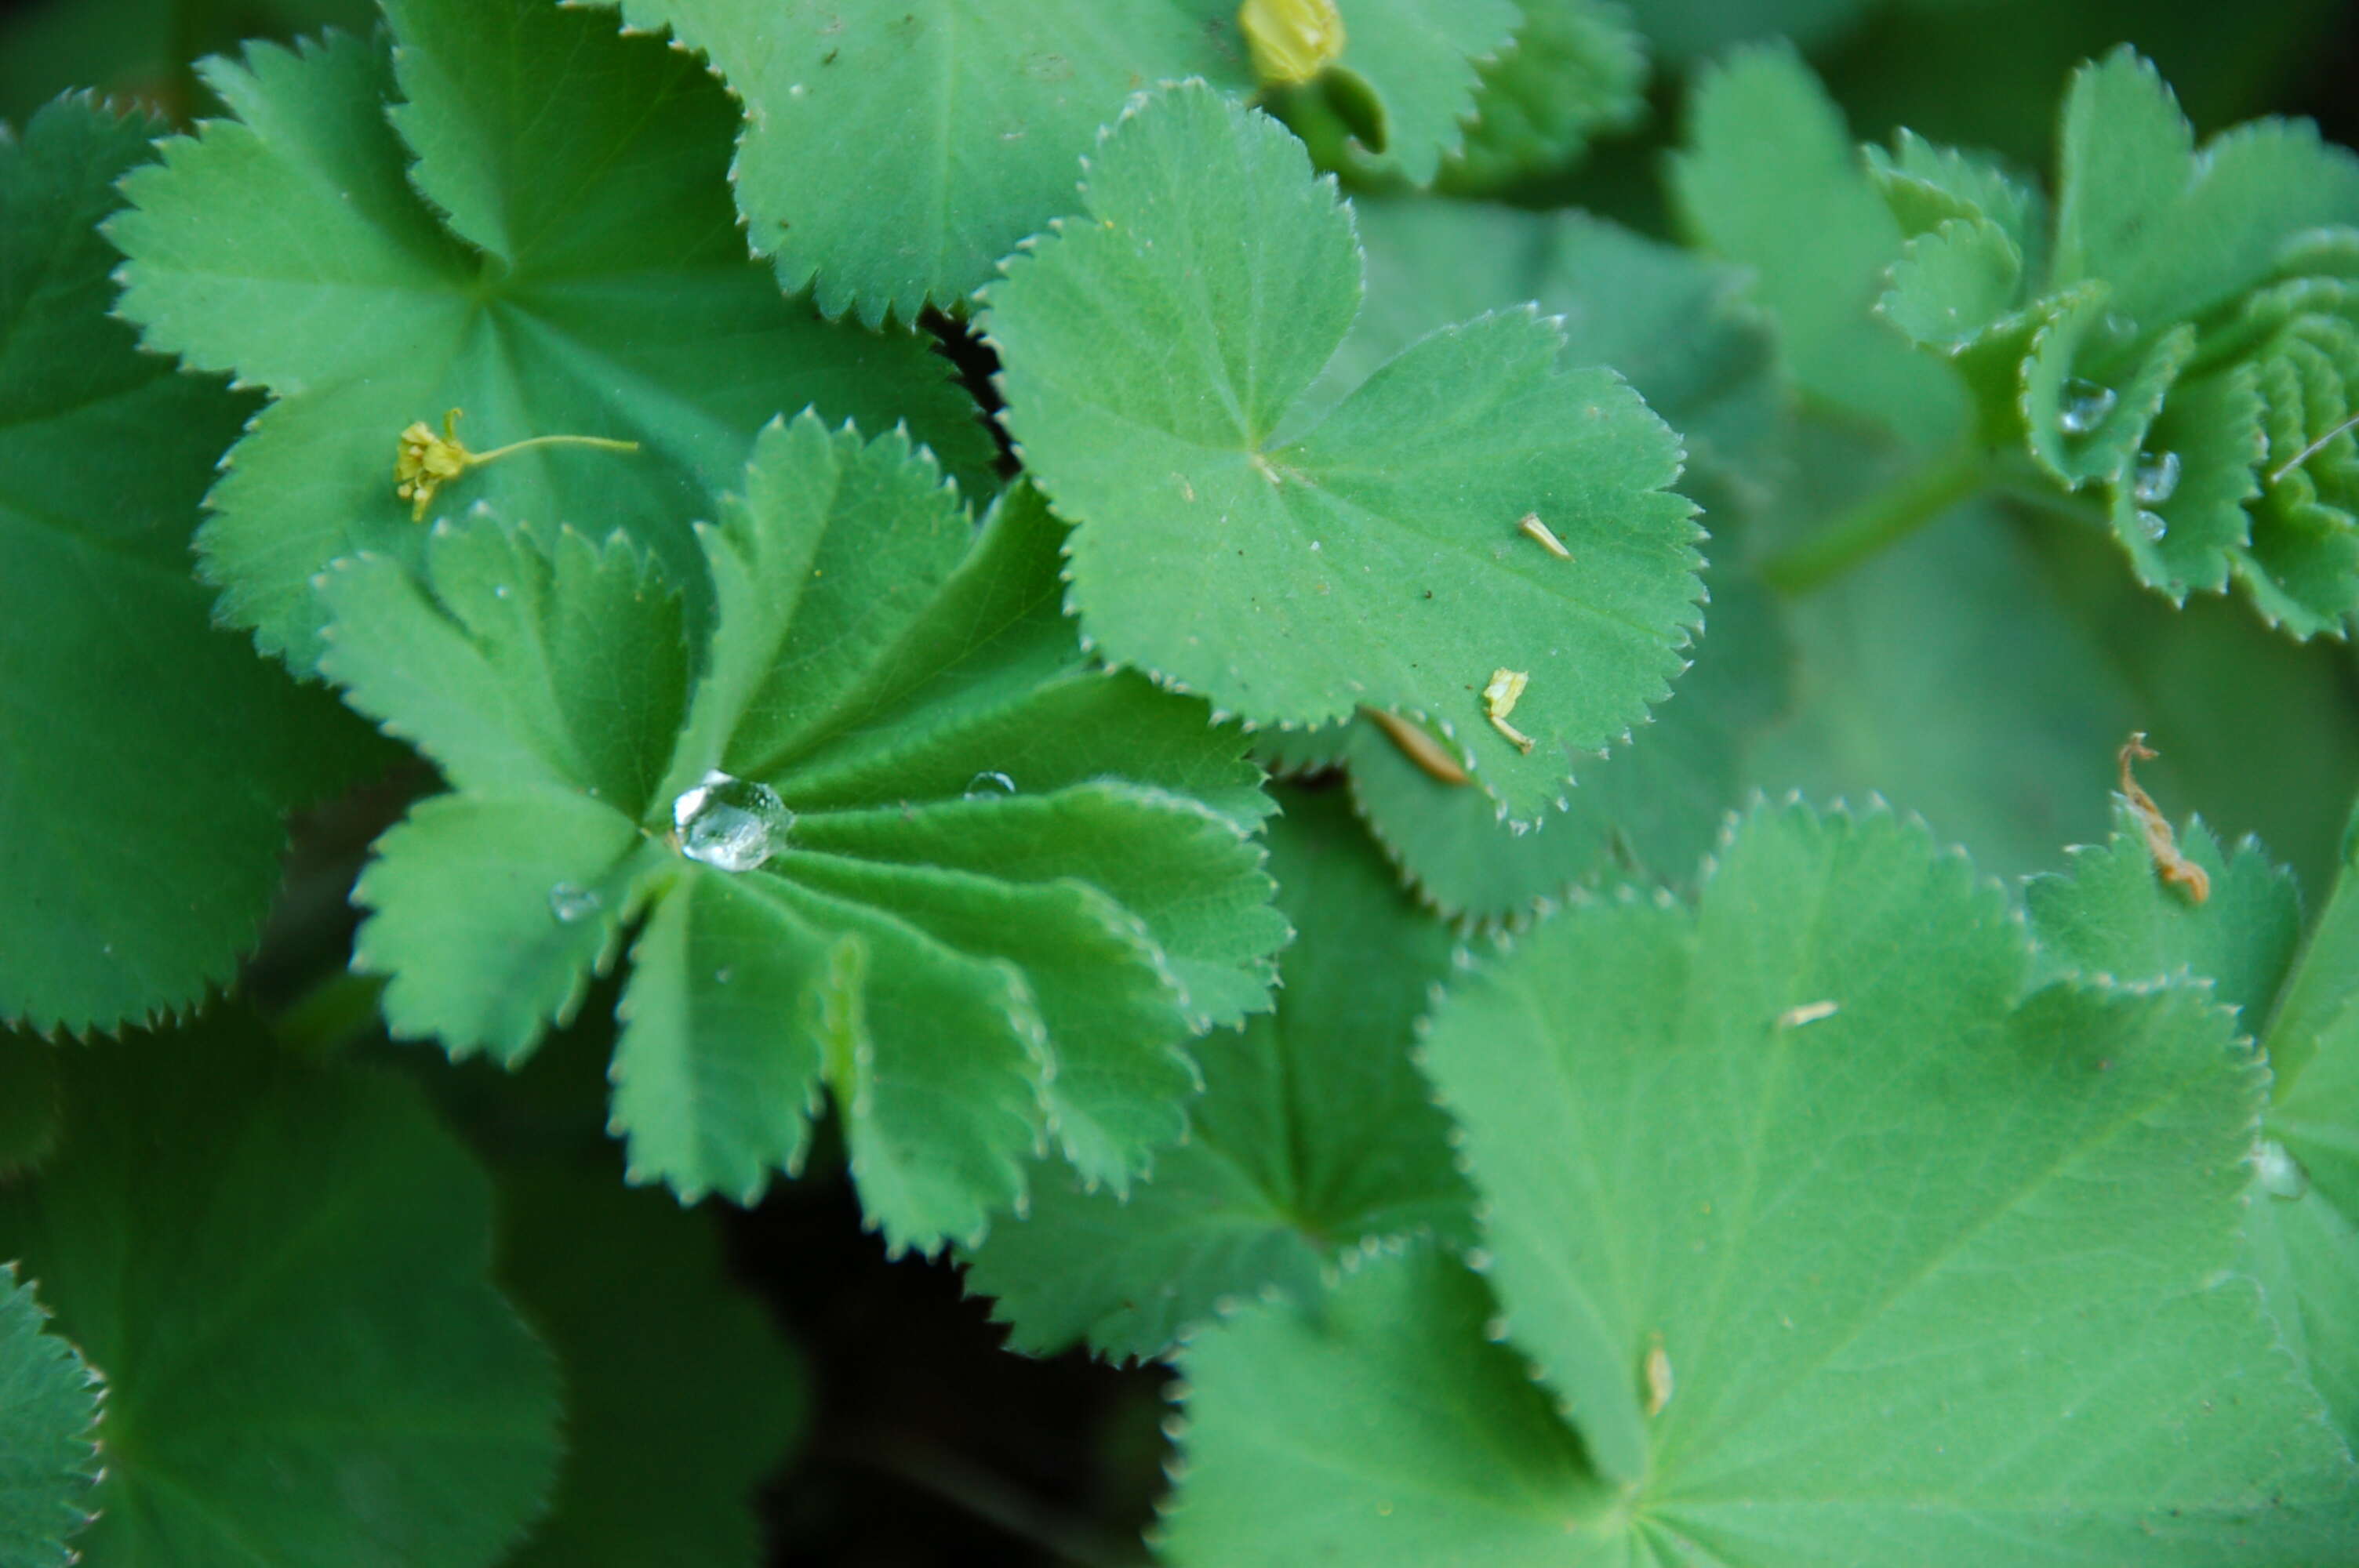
column 1882, row 519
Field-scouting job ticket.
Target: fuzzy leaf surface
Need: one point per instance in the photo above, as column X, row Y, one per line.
column 541, row 235
column 149, row 760
column 49, row 1416
column 890, row 158
column 1314, row 1137
column 1848, row 1286
column 1576, row 70
column 1012, row 886
column 1154, row 366
column 281, row 1269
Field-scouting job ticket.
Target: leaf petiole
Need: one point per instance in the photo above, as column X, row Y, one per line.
column 1882, row 519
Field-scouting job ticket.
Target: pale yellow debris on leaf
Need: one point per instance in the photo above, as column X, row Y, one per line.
column 1291, row 40
column 1418, row 746
column 1533, row 528
column 1809, row 1013
column 1658, row 1375
column 1499, row 699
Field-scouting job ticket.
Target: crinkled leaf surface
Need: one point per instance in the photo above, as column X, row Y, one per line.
column 147, row 761
column 1012, row 883
column 281, row 1271
column 1940, row 1272
column 1155, row 352
column 1576, row 70
column 892, row 157
column 558, row 259
column 1770, row 179
column 1314, row 1137
column 48, row 1410
column 680, row 1398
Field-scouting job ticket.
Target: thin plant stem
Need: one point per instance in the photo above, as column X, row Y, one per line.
column 1882, row 519
column 603, row 443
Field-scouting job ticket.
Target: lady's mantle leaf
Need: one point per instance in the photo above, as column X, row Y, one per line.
column 1155, row 352
column 1314, row 1136
column 681, row 1398
column 48, row 1410
column 149, row 759
column 979, row 889
column 572, row 268
column 892, row 154
column 280, row 1271
column 1838, row 1245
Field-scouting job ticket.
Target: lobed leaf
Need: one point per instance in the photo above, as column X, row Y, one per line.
column 1835, row 1240
column 48, row 1409
column 560, row 259
column 280, row 1269
column 1313, row 1140
column 1573, row 71
column 1231, row 547
column 980, row 891
column 151, row 760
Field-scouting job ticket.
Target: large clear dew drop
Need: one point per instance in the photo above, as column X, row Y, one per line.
column 731, row 823
column 2082, row 405
column 571, row 904
column 984, row 786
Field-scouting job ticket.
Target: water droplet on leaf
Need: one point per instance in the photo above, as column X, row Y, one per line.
column 2280, row 1173
column 983, row 785
column 2152, row 525
column 571, row 903
column 731, row 823
column 2156, row 479
column 2082, row 405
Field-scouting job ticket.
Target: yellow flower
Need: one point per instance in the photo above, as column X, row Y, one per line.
column 1292, row 40
column 424, row 462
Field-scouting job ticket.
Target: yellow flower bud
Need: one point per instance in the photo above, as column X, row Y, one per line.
column 1292, row 40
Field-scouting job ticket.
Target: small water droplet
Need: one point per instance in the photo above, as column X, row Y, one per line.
column 721, row 976
column 2121, row 328
column 2279, row 1175
column 571, row 903
column 500, row 591
column 985, row 785
column 2156, row 479
column 2152, row 525
column 2081, row 405
column 731, row 823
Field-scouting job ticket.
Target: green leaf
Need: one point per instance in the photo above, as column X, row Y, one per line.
column 1648, row 813
column 1837, row 1243
column 571, row 268
column 2114, row 917
column 681, row 1398
column 885, row 210
column 281, row 1271
column 979, row 889
column 49, row 1413
column 1312, row 1141
column 1770, row 180
column 1230, row 554
column 151, row 759
column 1574, row 71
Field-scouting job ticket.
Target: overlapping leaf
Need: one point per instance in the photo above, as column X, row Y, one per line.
column 1314, row 1139
column 2115, row 914
column 560, row 259
column 1576, row 70
column 977, row 888
column 1155, row 355
column 281, row 1272
column 149, row 760
column 48, row 1408
column 893, row 156
column 2187, row 333
column 1837, row 1244
column 1667, row 319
